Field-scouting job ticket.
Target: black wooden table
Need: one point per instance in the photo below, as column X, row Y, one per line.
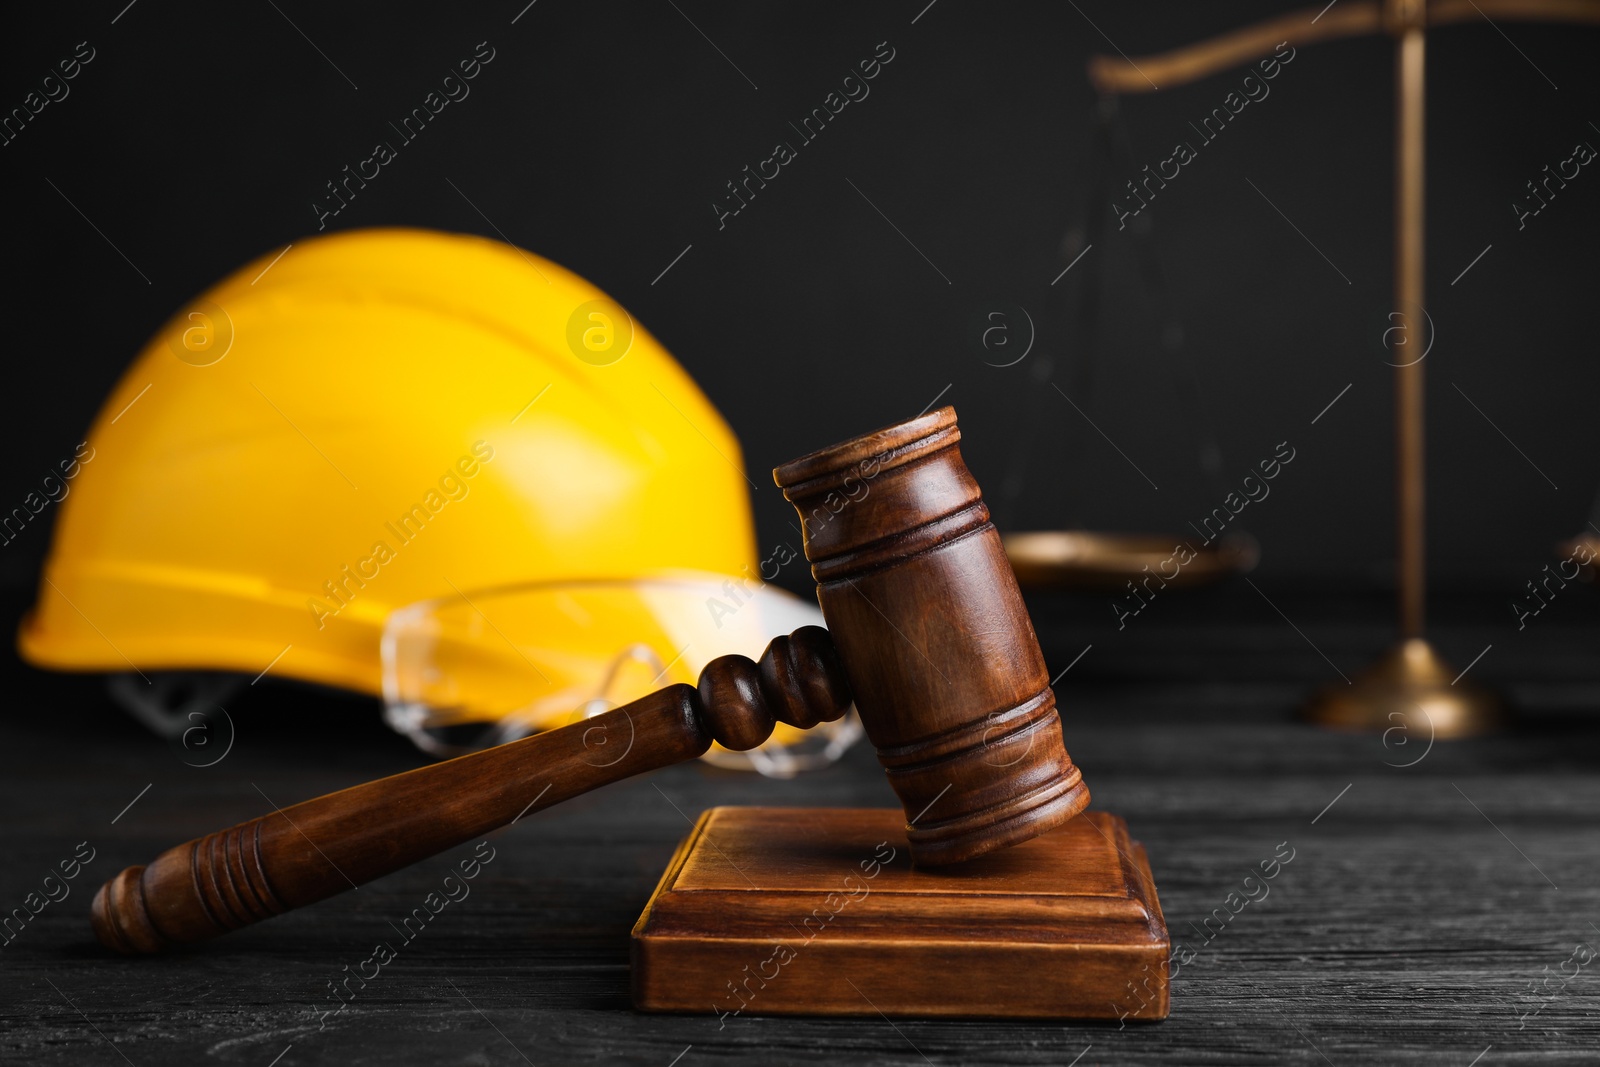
column 1440, row 907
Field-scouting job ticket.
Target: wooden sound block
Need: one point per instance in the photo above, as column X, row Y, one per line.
column 799, row 911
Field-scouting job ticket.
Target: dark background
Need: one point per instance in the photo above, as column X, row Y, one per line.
column 599, row 137
column 1433, row 890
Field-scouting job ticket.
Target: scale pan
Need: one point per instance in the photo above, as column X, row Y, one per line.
column 1104, row 562
column 1583, row 550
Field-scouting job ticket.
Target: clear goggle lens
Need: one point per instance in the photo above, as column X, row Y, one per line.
column 482, row 668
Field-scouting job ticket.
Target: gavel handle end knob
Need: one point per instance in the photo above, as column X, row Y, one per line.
column 119, row 916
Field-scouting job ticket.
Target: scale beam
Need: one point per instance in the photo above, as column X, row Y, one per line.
column 1409, row 679
column 1360, row 18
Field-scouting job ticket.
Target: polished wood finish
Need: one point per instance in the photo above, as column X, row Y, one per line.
column 929, row 631
column 924, row 609
column 321, row 847
column 779, row 911
column 1407, row 929
column 1180, row 66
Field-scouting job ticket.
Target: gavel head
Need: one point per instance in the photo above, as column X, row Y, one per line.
column 937, row 645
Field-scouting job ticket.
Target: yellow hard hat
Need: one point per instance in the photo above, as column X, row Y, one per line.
column 439, row 433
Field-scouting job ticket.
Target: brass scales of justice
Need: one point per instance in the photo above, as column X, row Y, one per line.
column 995, row 894
column 1412, row 675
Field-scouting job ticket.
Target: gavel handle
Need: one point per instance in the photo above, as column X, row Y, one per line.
column 313, row 850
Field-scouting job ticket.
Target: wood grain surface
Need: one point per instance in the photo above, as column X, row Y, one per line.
column 1408, row 928
column 319, row 847
column 803, row 911
column 935, row 639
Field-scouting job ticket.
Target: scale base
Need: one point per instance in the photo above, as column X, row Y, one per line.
column 1408, row 681
column 801, row 911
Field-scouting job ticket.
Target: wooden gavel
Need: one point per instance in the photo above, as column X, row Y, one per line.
column 925, row 626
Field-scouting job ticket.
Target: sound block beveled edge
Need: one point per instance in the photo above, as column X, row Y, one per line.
column 769, row 911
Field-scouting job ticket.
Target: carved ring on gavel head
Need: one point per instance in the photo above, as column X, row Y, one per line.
column 926, row 626
column 925, row 612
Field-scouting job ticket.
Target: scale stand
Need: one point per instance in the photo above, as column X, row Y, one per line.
column 1411, row 677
